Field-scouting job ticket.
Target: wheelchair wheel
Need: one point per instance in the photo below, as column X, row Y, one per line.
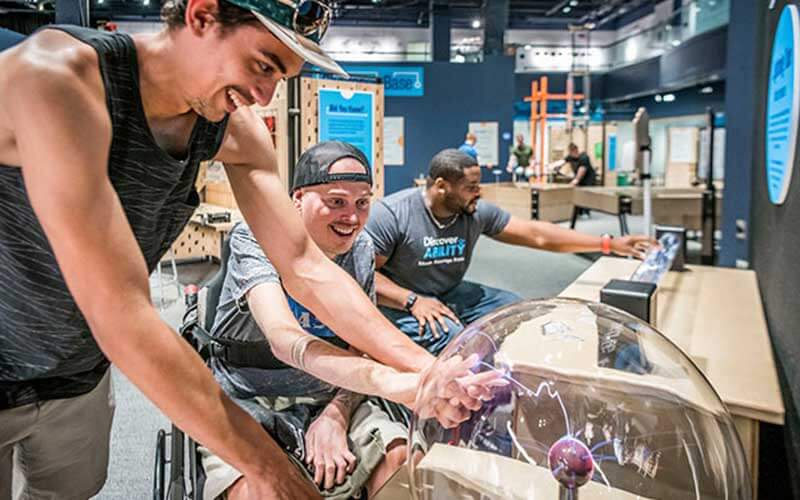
column 169, row 485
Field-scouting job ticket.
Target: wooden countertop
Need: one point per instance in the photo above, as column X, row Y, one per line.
column 715, row 315
column 528, row 185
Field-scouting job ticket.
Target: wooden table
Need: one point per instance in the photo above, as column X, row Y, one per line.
column 671, row 206
column 201, row 239
column 546, row 202
column 715, row 315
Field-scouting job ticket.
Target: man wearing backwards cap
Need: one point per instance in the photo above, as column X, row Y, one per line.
column 284, row 390
column 101, row 135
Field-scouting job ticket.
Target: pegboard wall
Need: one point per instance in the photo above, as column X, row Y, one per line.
column 276, row 117
column 309, row 112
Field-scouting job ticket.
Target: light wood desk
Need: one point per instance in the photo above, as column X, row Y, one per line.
column 536, row 201
column 671, row 206
column 715, row 315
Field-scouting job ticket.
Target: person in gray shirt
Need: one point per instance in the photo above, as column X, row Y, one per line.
column 424, row 239
column 283, row 365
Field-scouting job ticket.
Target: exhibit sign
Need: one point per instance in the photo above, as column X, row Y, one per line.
column 393, row 140
column 782, row 105
column 398, row 81
column 347, row 116
column 487, row 134
column 612, row 152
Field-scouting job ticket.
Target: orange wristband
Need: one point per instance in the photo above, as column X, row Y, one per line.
column 605, row 244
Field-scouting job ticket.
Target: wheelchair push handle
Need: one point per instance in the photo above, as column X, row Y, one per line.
column 190, row 294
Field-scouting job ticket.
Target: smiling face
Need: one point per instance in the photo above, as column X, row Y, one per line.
column 245, row 62
column 335, row 213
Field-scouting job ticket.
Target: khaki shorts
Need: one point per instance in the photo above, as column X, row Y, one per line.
column 57, row 448
column 371, row 431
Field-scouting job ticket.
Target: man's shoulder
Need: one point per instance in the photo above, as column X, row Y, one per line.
column 401, row 198
column 363, row 246
column 51, row 61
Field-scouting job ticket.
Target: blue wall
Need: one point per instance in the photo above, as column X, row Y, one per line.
column 455, row 94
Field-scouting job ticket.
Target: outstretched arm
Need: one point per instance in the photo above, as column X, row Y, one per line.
column 547, row 236
column 334, row 365
column 295, row 347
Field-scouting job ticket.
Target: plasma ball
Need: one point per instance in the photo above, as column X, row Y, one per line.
column 570, row 462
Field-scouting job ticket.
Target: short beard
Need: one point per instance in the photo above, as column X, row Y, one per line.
column 453, row 205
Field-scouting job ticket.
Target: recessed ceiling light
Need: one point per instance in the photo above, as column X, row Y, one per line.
column 707, row 90
column 669, row 97
column 657, row 98
column 573, row 3
column 476, row 23
column 566, row 9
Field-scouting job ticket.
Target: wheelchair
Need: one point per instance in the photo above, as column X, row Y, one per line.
column 178, row 474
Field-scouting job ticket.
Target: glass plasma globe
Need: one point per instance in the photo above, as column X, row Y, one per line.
column 598, row 405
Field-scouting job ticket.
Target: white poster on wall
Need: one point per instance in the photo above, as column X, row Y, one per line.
column 682, row 145
column 393, row 140
column 487, row 137
column 628, row 163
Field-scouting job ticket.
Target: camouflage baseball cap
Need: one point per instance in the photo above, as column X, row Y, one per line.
column 298, row 24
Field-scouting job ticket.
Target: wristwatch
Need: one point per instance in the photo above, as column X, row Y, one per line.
column 410, row 301
column 605, row 243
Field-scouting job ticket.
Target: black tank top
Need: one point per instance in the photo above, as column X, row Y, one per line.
column 46, row 348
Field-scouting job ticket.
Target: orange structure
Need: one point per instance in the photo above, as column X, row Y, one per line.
column 539, row 115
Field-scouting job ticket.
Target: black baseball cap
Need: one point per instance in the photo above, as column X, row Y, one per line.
column 314, row 164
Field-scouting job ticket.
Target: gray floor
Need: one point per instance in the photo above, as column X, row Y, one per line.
column 529, row 273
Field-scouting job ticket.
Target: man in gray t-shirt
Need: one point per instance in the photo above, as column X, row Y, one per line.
column 424, row 238
column 267, row 355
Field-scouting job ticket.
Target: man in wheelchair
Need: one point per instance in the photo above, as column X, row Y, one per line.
column 283, row 366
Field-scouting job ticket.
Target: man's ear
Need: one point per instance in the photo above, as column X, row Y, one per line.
column 297, row 198
column 440, row 184
column 201, row 15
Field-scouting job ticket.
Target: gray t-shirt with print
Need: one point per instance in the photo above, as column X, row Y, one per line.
column 421, row 256
column 249, row 267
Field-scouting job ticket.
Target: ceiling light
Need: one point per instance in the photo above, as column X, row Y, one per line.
column 707, row 90
column 476, row 23
column 669, row 97
column 566, row 9
column 675, row 43
column 573, row 3
column 657, row 98
column 528, row 47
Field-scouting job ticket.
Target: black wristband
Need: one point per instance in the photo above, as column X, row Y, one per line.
column 410, row 301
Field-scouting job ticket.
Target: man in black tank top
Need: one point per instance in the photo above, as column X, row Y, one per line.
column 100, row 139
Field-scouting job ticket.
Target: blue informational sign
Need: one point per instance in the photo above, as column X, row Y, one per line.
column 398, row 81
column 347, row 116
column 782, row 106
column 612, row 153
